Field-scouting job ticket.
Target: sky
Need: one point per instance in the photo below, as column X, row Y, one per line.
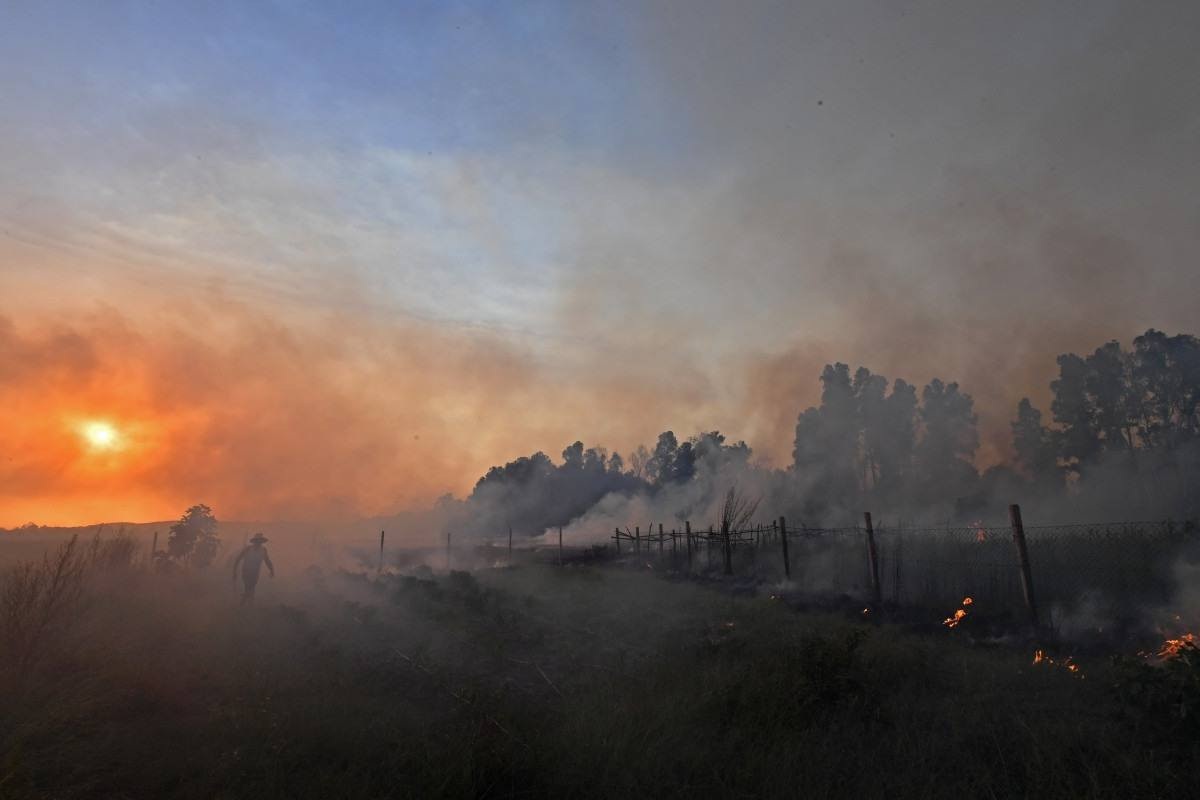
column 325, row 260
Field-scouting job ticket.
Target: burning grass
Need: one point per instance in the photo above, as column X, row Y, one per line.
column 530, row 681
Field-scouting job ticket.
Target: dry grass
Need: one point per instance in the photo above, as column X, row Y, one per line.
column 538, row 682
column 40, row 599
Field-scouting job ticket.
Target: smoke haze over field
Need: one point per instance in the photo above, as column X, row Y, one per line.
column 328, row 263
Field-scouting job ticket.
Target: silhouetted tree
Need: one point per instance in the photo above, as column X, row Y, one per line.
column 1034, row 447
column 897, row 439
column 945, row 454
column 1078, row 440
column 1111, row 401
column 661, row 464
column 193, row 539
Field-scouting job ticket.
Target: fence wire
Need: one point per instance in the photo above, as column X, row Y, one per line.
column 1116, row 564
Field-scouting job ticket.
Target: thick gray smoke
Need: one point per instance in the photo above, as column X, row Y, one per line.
column 1121, row 442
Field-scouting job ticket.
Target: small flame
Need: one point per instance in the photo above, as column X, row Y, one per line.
column 1040, row 657
column 866, row 611
column 981, row 533
column 952, row 621
column 1174, row 648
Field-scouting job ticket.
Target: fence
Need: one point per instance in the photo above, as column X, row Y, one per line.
column 1009, row 569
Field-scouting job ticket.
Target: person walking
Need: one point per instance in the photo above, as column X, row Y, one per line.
column 251, row 559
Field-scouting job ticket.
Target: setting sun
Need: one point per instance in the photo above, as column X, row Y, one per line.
column 100, row 435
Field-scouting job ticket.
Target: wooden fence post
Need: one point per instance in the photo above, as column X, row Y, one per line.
column 637, row 538
column 728, row 545
column 560, row 545
column 1018, row 530
column 154, row 545
column 873, row 557
column 380, row 570
column 687, row 529
column 787, row 562
column 617, row 537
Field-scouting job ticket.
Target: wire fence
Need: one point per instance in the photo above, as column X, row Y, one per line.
column 1007, row 569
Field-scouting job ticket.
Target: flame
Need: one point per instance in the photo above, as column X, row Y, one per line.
column 866, row 611
column 1174, row 648
column 952, row 621
column 981, row 533
column 1040, row 657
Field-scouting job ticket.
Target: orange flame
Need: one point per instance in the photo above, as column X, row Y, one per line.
column 981, row 533
column 1040, row 657
column 952, row 621
column 1174, row 648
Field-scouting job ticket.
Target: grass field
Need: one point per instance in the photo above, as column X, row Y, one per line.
column 583, row 681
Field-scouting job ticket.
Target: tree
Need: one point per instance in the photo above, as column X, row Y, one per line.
column 897, row 438
column 870, row 391
column 193, row 539
column 825, row 452
column 662, row 460
column 1078, row 439
column 946, row 452
column 1165, row 373
column 1034, row 447
column 1110, row 396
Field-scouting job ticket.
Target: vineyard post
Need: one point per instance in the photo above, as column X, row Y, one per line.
column 1018, row 530
column 154, row 545
column 873, row 557
column 787, row 563
column 637, row 538
column 380, row 570
column 687, row 529
column 617, row 539
column 660, row 538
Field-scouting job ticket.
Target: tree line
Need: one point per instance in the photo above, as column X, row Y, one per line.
column 1123, row 437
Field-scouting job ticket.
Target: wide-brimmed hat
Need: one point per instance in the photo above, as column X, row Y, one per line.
column 258, row 538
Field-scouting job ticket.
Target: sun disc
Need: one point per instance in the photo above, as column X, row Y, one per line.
column 100, row 435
